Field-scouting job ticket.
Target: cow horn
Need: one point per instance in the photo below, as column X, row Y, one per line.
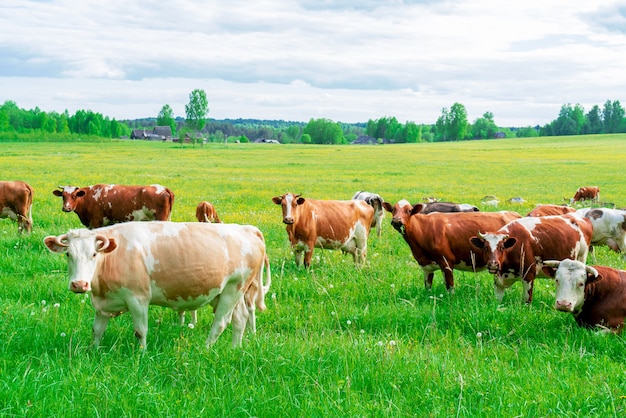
column 552, row 263
column 298, row 195
column 105, row 242
column 61, row 241
column 592, row 271
column 481, row 235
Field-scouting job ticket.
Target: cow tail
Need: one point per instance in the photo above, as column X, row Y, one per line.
column 171, row 202
column 264, row 287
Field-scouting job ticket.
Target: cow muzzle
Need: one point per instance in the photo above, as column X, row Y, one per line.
column 563, row 305
column 66, row 209
column 493, row 268
column 288, row 221
column 80, row 286
column 397, row 225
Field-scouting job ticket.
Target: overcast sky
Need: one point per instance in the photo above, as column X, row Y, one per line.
column 347, row 61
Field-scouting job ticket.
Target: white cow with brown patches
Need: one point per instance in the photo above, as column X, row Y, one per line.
column 331, row 224
column 183, row 266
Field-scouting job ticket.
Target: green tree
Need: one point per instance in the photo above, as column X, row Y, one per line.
column 458, row 122
column 594, row 121
column 166, row 118
column 484, row 128
column 197, row 110
column 324, row 131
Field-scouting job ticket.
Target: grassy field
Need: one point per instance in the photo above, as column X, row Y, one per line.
column 334, row 341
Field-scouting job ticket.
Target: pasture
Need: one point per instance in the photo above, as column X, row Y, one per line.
column 334, row 341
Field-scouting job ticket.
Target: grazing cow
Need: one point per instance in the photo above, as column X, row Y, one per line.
column 547, row 210
column 586, row 193
column 441, row 241
column 205, row 212
column 106, row 204
column 330, row 224
column 596, row 296
column 16, row 202
column 517, row 200
column 376, row 202
column 183, row 266
column 609, row 227
column 516, row 251
column 402, row 210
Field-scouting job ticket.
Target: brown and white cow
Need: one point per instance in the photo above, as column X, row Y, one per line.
column 441, row 241
column 376, row 202
column 329, row 224
column 205, row 212
column 16, row 202
column 595, row 295
column 402, row 210
column 516, row 251
column 609, row 227
column 548, row 210
column 586, row 193
column 107, row 204
column 183, row 266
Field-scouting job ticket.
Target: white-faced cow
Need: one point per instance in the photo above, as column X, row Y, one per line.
column 205, row 212
column 609, row 227
column 441, row 241
column 586, row 193
column 106, row 204
column 376, row 202
column 548, row 210
column 183, row 266
column 16, row 202
column 516, row 251
column 328, row 224
column 595, row 295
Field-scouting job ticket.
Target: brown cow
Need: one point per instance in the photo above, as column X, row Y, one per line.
column 441, row 241
column 16, row 202
column 205, row 212
column 547, row 210
column 106, row 204
column 329, row 224
column 587, row 193
column 595, row 295
column 516, row 251
column 402, row 210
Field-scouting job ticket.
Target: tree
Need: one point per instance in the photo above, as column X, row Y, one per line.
column 458, row 122
column 484, row 128
column 166, row 118
column 197, row 110
column 594, row 121
column 324, row 131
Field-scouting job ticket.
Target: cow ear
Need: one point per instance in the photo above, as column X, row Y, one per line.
column 57, row 193
column 51, row 244
column 510, row 242
column 388, row 207
column 477, row 242
column 417, row 208
column 593, row 275
column 300, row 200
column 112, row 246
column 277, row 199
column 80, row 193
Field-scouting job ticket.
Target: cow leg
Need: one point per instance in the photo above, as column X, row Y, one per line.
column 528, row 290
column 228, row 300
column 194, row 317
column 428, row 279
column 308, row 254
column 100, row 323
column 449, row 278
column 139, row 313
column 241, row 316
column 298, row 254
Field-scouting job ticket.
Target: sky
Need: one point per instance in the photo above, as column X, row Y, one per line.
column 294, row 60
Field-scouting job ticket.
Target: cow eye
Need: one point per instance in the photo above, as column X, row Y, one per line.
column 581, row 284
column 557, row 281
column 94, row 255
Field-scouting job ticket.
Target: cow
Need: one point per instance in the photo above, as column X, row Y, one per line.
column 205, row 212
column 441, row 241
column 594, row 295
column 517, row 200
column 16, row 202
column 107, row 204
column 609, row 227
column 586, row 193
column 328, row 224
column 401, row 211
column 516, row 251
column 376, row 202
column 183, row 266
column 547, row 210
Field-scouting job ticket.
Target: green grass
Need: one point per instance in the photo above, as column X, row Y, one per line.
column 334, row 341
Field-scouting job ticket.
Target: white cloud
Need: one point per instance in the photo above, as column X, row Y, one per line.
column 296, row 60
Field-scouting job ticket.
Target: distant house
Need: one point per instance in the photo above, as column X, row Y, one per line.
column 158, row 133
column 500, row 134
column 266, row 141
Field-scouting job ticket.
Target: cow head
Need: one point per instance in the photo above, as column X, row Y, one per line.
column 70, row 196
column 493, row 246
column 288, row 202
column 400, row 214
column 571, row 278
column 82, row 247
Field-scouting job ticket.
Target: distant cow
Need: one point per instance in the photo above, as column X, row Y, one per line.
column 517, row 200
column 547, row 210
column 376, row 202
column 106, row 204
column 596, row 296
column 516, row 251
column 586, row 193
column 329, row 224
column 402, row 210
column 183, row 266
column 441, row 241
column 16, row 202
column 609, row 227
column 205, row 212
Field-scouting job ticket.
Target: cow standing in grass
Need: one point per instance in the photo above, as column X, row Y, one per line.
column 16, row 203
column 376, row 202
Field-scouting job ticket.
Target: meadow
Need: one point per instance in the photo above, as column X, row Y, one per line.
column 334, row 341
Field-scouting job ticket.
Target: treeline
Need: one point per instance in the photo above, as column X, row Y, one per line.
column 452, row 125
